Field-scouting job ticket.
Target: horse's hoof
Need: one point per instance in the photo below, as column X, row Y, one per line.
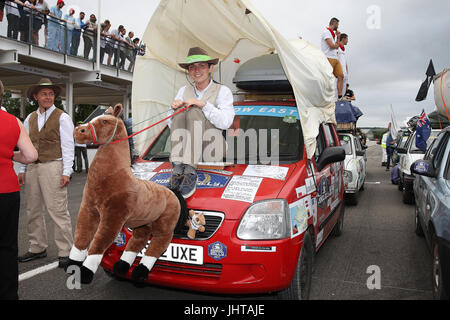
column 140, row 273
column 86, row 275
column 121, row 268
column 73, row 263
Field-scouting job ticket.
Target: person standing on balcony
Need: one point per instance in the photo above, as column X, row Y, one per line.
column 90, row 36
column 41, row 8
column 70, row 26
column 54, row 27
column 76, row 34
column 13, row 16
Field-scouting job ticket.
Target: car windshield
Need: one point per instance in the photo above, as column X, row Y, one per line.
column 346, row 142
column 260, row 134
column 414, row 149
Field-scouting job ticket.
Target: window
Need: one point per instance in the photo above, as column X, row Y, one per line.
column 329, row 135
column 346, row 143
column 441, row 146
column 320, row 143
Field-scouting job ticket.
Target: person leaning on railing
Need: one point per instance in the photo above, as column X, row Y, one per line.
column 13, row 15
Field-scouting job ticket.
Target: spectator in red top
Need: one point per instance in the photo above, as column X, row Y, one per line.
column 12, row 134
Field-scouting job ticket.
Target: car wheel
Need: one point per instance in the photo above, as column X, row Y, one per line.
column 337, row 230
column 400, row 185
column 351, row 199
column 408, row 196
column 438, row 286
column 418, row 226
column 300, row 286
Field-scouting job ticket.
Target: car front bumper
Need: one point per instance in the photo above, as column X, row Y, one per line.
column 249, row 267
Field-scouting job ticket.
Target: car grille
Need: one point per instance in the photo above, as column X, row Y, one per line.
column 210, row 270
column 213, row 222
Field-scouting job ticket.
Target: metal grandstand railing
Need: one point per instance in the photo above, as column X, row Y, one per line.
column 40, row 29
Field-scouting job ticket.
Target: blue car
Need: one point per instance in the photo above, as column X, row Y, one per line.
column 432, row 192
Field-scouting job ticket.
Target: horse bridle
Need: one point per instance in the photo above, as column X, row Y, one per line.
column 94, row 133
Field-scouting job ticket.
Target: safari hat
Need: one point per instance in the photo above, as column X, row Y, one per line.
column 197, row 54
column 44, row 83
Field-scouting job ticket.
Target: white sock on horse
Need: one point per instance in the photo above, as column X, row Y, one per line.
column 78, row 255
column 128, row 257
column 93, row 261
column 148, row 262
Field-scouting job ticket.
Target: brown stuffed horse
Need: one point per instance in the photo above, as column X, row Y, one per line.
column 113, row 198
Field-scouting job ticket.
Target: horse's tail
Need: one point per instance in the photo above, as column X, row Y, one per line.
column 184, row 213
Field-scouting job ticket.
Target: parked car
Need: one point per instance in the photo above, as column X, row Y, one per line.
column 408, row 155
column 354, row 166
column 264, row 223
column 432, row 215
column 400, row 143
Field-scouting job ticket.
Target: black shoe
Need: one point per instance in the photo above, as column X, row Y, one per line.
column 29, row 256
column 188, row 185
column 175, row 181
column 63, row 262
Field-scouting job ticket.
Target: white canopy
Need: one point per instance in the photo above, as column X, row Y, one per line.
column 226, row 31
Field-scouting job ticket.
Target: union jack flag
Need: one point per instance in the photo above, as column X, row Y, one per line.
column 423, row 119
column 423, row 131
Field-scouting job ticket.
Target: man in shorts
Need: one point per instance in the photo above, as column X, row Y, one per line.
column 330, row 45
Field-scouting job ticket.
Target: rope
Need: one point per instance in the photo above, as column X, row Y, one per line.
column 442, row 96
column 156, row 123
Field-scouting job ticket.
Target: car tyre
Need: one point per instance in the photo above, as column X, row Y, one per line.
column 438, row 285
column 400, row 185
column 408, row 196
column 418, row 227
column 300, row 287
column 351, row 199
column 337, row 230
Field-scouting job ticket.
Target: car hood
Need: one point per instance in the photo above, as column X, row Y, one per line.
column 229, row 190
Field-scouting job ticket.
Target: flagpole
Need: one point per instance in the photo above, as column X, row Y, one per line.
column 99, row 33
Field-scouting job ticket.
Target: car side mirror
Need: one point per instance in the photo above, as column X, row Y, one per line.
column 401, row 150
column 423, row 168
column 330, row 155
column 360, row 153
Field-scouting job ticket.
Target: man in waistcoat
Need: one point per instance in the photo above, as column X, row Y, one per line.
column 46, row 180
column 196, row 134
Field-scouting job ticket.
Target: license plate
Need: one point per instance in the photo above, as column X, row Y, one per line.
column 180, row 253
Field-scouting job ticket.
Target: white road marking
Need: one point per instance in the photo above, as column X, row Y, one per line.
column 372, row 182
column 35, row 272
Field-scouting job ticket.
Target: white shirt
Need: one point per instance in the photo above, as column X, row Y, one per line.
column 329, row 53
column 222, row 115
column 66, row 136
column 343, row 60
column 11, row 8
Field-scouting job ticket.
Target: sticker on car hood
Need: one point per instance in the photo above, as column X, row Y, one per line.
column 204, row 180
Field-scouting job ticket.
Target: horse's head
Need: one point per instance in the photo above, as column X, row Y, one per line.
column 102, row 129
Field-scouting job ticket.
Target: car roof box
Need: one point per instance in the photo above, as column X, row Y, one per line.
column 264, row 73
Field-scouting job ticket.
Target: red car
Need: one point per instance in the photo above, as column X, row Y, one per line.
column 264, row 221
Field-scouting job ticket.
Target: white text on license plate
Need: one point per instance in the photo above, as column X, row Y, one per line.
column 180, row 253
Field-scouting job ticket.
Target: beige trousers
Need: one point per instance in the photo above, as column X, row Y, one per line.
column 195, row 139
column 42, row 190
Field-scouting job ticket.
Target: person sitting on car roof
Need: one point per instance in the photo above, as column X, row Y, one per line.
column 211, row 111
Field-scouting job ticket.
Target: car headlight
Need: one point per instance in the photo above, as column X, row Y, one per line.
column 265, row 220
column 348, row 176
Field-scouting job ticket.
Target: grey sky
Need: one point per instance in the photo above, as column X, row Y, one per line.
column 386, row 65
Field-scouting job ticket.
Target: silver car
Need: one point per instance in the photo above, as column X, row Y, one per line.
column 432, row 195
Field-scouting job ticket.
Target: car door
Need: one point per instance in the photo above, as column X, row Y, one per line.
column 360, row 161
column 325, row 181
column 428, row 186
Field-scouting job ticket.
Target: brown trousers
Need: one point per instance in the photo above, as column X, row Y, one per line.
column 195, row 139
column 42, row 190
